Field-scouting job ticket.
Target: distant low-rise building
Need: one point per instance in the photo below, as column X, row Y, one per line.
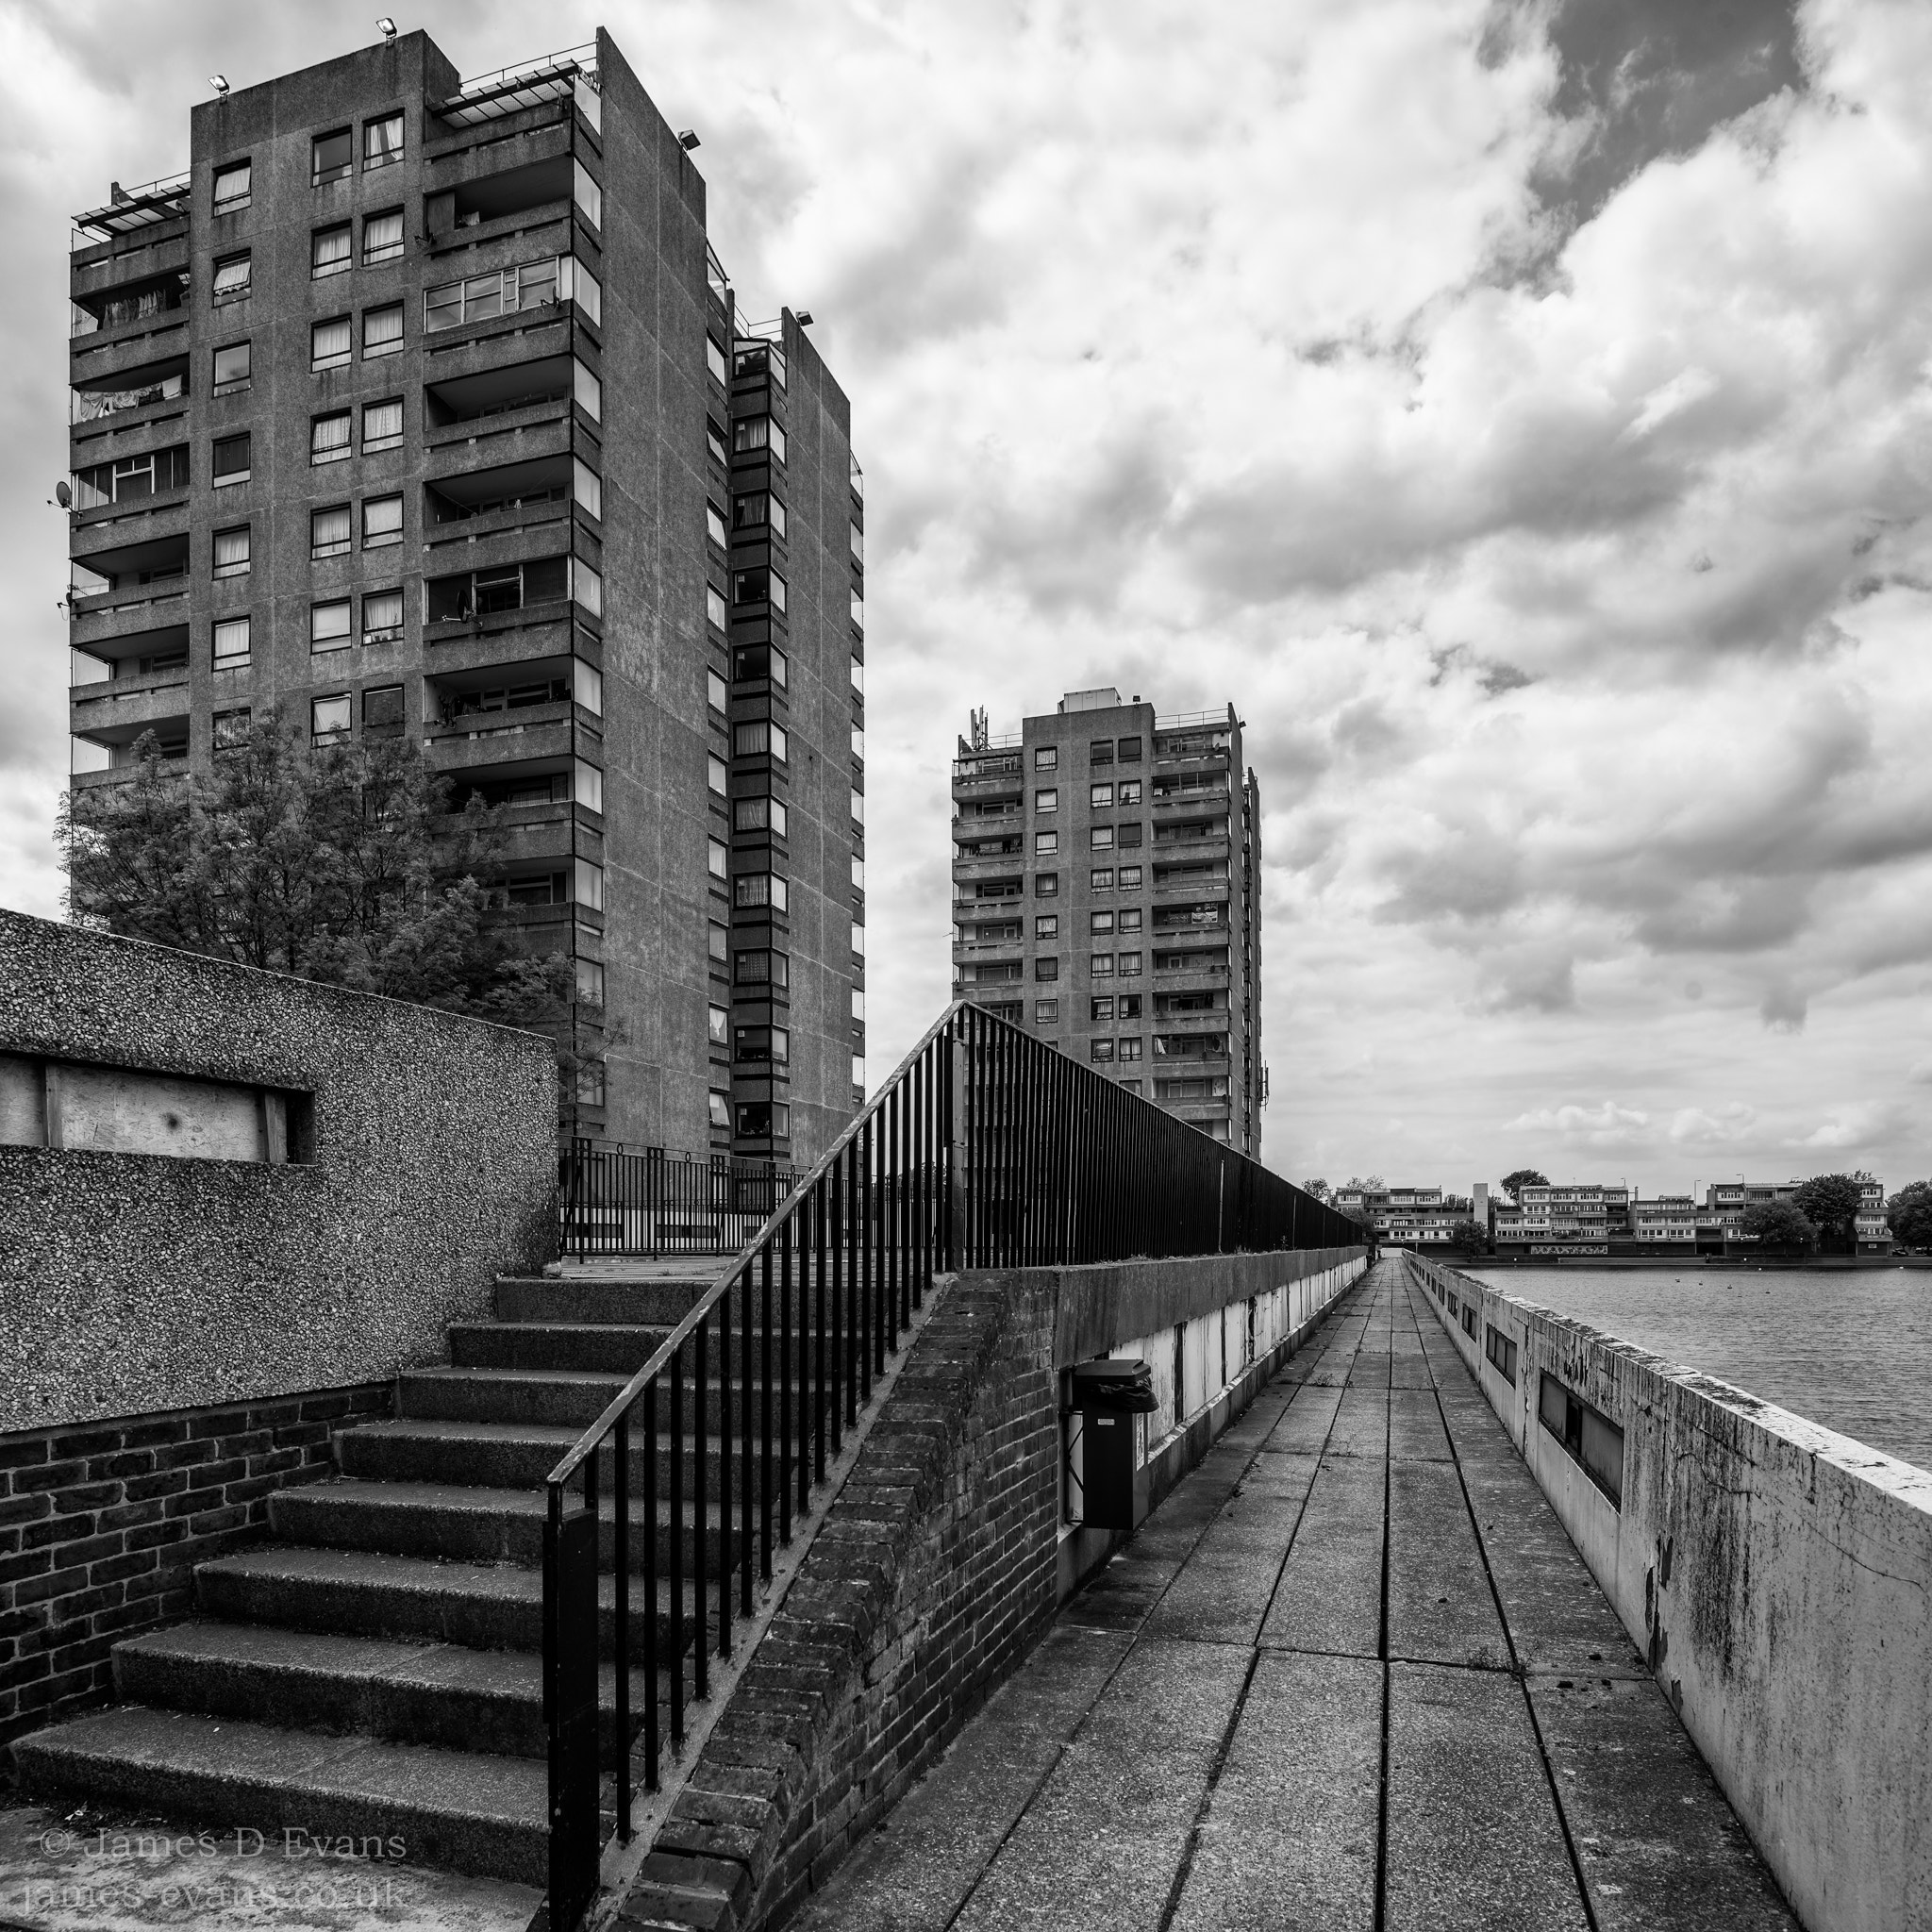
column 1406, row 1217
column 1578, row 1219
column 1586, row 1219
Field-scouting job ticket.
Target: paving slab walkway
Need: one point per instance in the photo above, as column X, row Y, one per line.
column 1351, row 1674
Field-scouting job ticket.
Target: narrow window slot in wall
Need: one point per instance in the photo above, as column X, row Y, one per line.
column 1594, row 1442
column 1501, row 1351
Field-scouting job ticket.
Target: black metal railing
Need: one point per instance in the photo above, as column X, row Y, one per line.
column 618, row 1200
column 986, row 1148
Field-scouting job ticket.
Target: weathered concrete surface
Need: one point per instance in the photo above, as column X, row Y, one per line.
column 1384, row 1737
column 1776, row 1576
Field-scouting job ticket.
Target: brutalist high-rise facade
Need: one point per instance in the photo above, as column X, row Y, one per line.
column 1105, row 896
column 423, row 407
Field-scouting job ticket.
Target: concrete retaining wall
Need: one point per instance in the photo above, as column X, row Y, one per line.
column 218, row 1185
column 943, row 1558
column 1778, row 1576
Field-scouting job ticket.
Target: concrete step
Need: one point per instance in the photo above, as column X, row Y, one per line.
column 407, row 1692
column 552, row 1396
column 663, row 1302
column 374, row 1594
column 595, row 1347
column 508, row 1456
column 465, row 1811
column 459, row 1523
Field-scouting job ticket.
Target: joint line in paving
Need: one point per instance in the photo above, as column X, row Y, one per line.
column 1382, row 1651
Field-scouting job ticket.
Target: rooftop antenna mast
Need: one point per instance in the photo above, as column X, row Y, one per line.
column 980, row 737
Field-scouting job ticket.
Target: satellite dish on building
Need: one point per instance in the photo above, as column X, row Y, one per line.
column 63, row 496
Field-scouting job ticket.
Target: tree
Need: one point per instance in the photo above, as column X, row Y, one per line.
column 343, row 863
column 1469, row 1237
column 1372, row 1184
column 1513, row 1184
column 1909, row 1215
column 1780, row 1227
column 1831, row 1202
column 1318, row 1188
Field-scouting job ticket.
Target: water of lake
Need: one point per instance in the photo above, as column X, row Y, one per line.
column 1851, row 1351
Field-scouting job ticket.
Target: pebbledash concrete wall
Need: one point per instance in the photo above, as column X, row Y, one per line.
column 179, row 1329
column 944, row 1555
column 1778, row 1576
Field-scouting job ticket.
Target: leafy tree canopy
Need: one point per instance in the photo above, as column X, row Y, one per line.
column 1909, row 1213
column 1781, row 1226
column 341, row 863
column 1372, row 1184
column 1513, row 1184
column 1469, row 1235
column 1830, row 1200
column 1318, row 1188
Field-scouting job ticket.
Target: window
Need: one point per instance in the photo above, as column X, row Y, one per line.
column 858, row 676
column 1131, row 877
column 382, row 710
column 231, row 278
column 1100, row 966
column 329, row 251
column 1046, row 757
column 762, row 1044
column 755, row 889
column 588, row 885
column 1100, row 752
column 758, row 510
column 1128, row 1006
column 382, row 617
column 329, row 157
column 714, row 606
column 127, row 478
column 1046, row 799
column 759, row 814
column 232, row 728
column 329, row 343
column 1130, row 963
column 1100, row 797
column 1130, row 1049
column 508, row 586
column 752, row 433
column 751, row 663
column 500, row 291
column 231, row 458
column 382, row 331
column 1131, row 836
column 857, row 542
column 382, row 521
column 1046, row 968
column 1128, row 790
column 382, row 142
column 761, row 967
column 714, row 438
column 232, row 183
column 1046, row 1012
column 231, row 552
column 858, row 1006
column 1046, row 842
column 328, row 718
column 714, row 524
column 587, row 487
column 716, row 777
column 717, row 859
column 1046, row 925
column 1047, row 885
column 231, row 642
column 857, row 612
column 1099, row 879
column 232, row 368
column 714, row 361
column 382, row 425
column 1130, row 751
column 591, row 982
column 328, row 626
column 716, row 944
column 1100, row 1007
column 1497, row 1346
column 587, row 194
column 328, row 438
column 328, row 530
column 1101, row 838
column 590, row 1084
column 757, row 587
column 758, row 736
column 1595, row 1441
column 1100, row 922
column 1100, row 1049
column 720, row 1112
column 762, row 1120
column 586, row 685
column 1130, row 919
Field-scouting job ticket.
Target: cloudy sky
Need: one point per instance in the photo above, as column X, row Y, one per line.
column 1520, row 409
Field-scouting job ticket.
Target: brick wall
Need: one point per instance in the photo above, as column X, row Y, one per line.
column 101, row 1526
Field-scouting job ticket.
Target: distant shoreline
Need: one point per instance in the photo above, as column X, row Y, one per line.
column 1845, row 1263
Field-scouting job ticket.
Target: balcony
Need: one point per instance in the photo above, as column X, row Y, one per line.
column 1206, row 838
column 109, row 625
column 1195, row 917
column 527, row 736
column 983, row 952
column 124, row 539
column 1201, row 888
column 1189, row 978
column 126, row 261
column 117, row 711
column 992, row 866
column 1195, row 800
column 135, row 394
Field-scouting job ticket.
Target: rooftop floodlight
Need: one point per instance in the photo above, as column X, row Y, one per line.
column 688, row 138
column 219, row 82
column 803, row 317
column 386, row 27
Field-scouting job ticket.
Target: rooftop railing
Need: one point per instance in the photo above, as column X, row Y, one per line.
column 985, row 1149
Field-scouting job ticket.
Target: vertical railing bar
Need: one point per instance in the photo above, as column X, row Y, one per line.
column 675, row 1605
column 818, row 1418
column 700, row 1504
column 650, row 1574
column 765, row 1388
column 727, row 1550
column 620, row 1524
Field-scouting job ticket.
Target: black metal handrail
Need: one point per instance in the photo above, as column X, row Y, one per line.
column 986, row 1148
column 617, row 1200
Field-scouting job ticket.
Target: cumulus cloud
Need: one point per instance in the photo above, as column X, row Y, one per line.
column 1520, row 411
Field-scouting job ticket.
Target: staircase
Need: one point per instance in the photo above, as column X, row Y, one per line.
column 373, row 1670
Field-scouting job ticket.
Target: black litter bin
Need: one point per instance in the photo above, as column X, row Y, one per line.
column 1108, row 1395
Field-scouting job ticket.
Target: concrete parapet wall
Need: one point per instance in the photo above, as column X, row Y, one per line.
column 151, row 1260
column 941, row 1559
column 1778, row 1575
